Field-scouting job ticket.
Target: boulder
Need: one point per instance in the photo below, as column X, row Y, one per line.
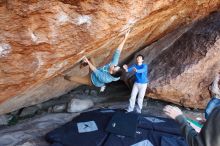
column 4, row 119
column 59, row 108
column 29, row 111
column 78, row 105
column 182, row 65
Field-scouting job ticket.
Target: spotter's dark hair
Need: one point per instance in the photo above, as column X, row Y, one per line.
column 139, row 55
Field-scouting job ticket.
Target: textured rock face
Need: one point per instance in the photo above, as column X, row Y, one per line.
column 183, row 64
column 42, row 38
column 32, row 132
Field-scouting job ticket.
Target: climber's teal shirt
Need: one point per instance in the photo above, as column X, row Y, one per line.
column 101, row 75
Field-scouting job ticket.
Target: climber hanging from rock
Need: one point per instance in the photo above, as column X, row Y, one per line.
column 101, row 75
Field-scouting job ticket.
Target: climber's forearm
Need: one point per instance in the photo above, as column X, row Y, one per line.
column 91, row 66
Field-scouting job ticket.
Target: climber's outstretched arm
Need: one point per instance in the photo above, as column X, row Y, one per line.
column 120, row 47
column 91, row 66
column 116, row 56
